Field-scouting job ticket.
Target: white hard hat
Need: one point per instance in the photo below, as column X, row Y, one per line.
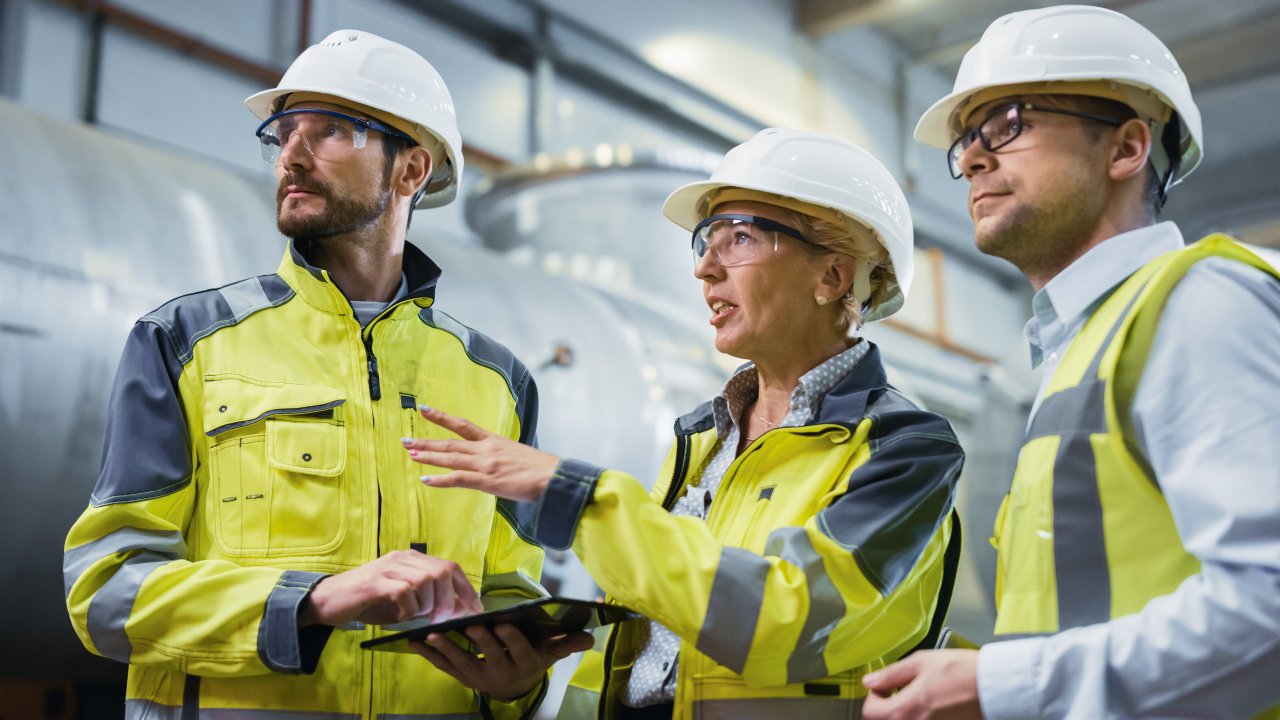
column 818, row 170
column 1079, row 50
column 390, row 82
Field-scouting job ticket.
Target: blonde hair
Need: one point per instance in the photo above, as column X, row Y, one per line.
column 850, row 237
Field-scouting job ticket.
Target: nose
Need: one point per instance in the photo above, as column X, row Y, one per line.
column 295, row 152
column 708, row 266
column 975, row 159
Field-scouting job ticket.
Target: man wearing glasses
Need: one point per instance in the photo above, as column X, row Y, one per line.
column 1139, row 545
column 256, row 517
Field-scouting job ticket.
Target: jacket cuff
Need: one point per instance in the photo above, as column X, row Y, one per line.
column 570, row 490
column 282, row 645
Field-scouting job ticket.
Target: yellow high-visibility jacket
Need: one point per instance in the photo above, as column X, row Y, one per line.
column 252, row 448
column 820, row 559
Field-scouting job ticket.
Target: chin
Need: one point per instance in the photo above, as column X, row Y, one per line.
column 731, row 346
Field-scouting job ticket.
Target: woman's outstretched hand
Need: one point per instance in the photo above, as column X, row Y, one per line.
column 481, row 460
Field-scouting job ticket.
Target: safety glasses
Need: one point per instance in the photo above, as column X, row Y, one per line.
column 1003, row 126
column 736, row 239
column 325, row 134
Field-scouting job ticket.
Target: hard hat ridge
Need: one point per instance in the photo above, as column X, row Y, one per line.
column 817, row 174
column 1075, row 50
column 388, row 81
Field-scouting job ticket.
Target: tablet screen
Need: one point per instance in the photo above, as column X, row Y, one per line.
column 538, row 619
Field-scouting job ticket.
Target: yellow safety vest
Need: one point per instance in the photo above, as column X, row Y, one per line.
column 1085, row 534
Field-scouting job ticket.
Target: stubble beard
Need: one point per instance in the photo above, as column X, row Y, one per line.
column 1042, row 238
column 342, row 214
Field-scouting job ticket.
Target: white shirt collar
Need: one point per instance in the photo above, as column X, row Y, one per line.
column 1077, row 290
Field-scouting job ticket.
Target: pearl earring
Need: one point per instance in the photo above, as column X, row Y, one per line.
column 822, row 299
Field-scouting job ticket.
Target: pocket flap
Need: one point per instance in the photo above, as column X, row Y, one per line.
column 233, row 401
column 310, row 447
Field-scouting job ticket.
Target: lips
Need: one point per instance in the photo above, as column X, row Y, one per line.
column 720, row 310
column 292, row 187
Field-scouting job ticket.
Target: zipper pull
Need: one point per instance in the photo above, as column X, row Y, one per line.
column 375, row 385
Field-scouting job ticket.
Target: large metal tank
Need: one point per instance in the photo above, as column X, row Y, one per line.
column 99, row 230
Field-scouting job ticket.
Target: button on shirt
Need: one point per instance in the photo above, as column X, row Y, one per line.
column 653, row 677
column 1206, row 414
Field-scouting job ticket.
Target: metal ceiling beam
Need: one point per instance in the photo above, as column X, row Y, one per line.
column 649, row 90
column 1253, row 52
column 821, row 17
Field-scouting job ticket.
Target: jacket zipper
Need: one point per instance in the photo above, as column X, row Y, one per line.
column 375, row 385
column 608, row 668
column 682, row 460
column 677, row 475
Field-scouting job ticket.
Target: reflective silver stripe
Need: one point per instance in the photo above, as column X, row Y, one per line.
column 244, row 297
column 1078, row 409
column 451, row 716
column 826, row 606
column 78, row 559
column 148, row 710
column 1079, row 551
column 505, row 582
column 113, row 604
column 578, row 703
column 259, row 714
column 774, row 708
column 1074, row 415
column 737, row 594
column 1079, row 545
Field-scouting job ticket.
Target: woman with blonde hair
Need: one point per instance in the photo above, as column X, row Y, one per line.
column 795, row 538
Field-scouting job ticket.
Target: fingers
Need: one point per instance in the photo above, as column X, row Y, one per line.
column 518, row 648
column 463, row 428
column 894, row 677
column 497, row 656
column 447, row 460
column 467, row 598
column 558, row 648
column 459, row 659
column 433, row 601
column 462, row 479
column 435, row 657
column 406, row 584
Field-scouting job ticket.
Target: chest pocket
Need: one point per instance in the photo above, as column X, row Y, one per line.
column 277, row 456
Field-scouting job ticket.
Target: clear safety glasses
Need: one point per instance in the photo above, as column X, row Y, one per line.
column 326, row 134
column 738, row 239
column 1002, row 127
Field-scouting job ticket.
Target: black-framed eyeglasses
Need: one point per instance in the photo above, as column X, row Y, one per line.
column 1003, row 126
column 326, row 134
column 735, row 239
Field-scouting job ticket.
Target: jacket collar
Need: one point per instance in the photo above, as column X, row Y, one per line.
column 317, row 288
column 845, row 404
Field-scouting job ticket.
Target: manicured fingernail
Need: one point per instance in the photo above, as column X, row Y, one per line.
column 425, row 408
column 426, row 479
column 405, row 441
column 413, row 453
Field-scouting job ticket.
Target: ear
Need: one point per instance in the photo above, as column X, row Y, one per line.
column 836, row 275
column 413, row 170
column 1130, row 149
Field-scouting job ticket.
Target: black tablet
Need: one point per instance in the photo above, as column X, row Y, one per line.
column 538, row 619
